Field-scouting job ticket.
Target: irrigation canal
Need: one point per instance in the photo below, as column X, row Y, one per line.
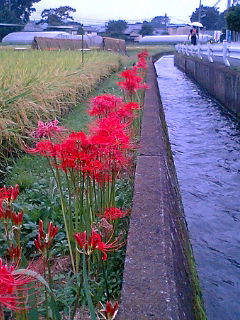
column 205, row 141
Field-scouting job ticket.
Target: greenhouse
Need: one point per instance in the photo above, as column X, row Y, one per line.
column 27, row 37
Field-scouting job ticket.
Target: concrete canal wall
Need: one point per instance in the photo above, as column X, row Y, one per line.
column 159, row 276
column 220, row 81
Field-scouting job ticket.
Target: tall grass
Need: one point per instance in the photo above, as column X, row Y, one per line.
column 43, row 85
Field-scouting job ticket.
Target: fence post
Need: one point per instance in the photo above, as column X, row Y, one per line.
column 199, row 51
column 192, row 50
column 225, row 51
column 209, row 53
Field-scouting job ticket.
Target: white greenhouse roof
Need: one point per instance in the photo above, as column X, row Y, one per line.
column 27, row 37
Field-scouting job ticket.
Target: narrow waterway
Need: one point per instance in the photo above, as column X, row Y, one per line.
column 206, row 147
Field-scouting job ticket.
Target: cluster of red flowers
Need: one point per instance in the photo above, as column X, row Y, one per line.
column 108, row 105
column 95, row 242
column 7, row 196
column 114, row 214
column 132, row 80
column 105, row 149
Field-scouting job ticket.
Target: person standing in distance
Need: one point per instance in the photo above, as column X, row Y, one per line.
column 193, row 34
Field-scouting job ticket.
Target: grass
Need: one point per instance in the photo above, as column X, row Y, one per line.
column 44, row 85
column 152, row 49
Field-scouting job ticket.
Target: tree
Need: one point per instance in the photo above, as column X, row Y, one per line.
column 160, row 21
column 233, row 18
column 57, row 16
column 147, row 29
column 115, row 28
column 210, row 17
column 17, row 11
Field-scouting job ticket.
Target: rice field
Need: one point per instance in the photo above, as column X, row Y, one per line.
column 44, row 85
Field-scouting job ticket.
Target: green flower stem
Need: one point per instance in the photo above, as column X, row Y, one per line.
column 77, row 298
column 105, row 280
column 87, row 289
column 69, row 240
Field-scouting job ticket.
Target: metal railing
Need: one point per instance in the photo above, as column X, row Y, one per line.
column 211, row 51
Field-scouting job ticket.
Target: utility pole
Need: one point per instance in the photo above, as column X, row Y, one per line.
column 228, row 32
column 200, row 11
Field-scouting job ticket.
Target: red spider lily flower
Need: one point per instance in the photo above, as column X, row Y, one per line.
column 142, row 63
column 132, row 82
column 111, row 143
column 94, row 242
column 143, row 54
column 14, row 288
column 114, row 214
column 47, row 129
column 76, row 152
column 17, row 218
column 44, row 148
column 15, row 254
column 126, row 112
column 109, row 246
column 90, row 244
column 111, row 310
column 104, row 105
column 44, row 241
column 10, row 194
column 5, row 212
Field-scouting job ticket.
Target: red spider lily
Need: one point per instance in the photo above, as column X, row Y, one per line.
column 143, row 54
column 132, row 82
column 10, row 194
column 104, row 105
column 47, row 129
column 111, row 310
column 114, row 214
column 15, row 254
column 126, row 111
column 17, row 218
column 44, row 148
column 14, row 287
column 5, row 212
column 109, row 246
column 111, row 143
column 142, row 63
column 94, row 242
column 89, row 245
column 110, row 133
column 44, row 240
column 75, row 152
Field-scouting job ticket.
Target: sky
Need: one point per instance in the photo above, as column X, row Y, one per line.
column 99, row 11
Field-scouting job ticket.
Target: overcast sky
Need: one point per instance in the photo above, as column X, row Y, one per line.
column 94, row 11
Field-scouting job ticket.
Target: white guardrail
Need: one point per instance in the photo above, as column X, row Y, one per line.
column 210, row 51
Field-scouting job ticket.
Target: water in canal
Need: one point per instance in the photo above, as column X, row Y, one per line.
column 206, row 147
